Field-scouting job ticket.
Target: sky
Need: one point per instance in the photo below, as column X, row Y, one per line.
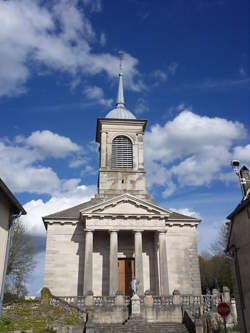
column 185, row 71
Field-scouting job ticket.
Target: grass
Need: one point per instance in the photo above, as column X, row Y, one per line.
column 33, row 315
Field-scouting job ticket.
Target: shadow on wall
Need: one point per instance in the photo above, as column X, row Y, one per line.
column 78, row 237
column 101, row 255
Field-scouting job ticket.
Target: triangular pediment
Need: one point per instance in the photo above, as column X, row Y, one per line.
column 125, row 204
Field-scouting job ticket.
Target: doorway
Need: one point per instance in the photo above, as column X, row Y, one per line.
column 126, row 273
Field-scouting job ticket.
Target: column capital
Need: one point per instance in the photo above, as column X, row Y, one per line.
column 113, row 230
column 138, row 230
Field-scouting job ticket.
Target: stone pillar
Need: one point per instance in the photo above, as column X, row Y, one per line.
column 164, row 288
column 138, row 262
column 88, row 263
column 113, row 263
column 103, row 150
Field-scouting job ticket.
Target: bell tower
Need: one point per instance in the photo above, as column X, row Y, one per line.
column 121, row 160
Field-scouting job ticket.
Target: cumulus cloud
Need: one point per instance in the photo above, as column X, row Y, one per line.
column 57, row 35
column 242, row 154
column 22, row 161
column 72, row 194
column 20, row 171
column 96, row 94
column 52, row 144
column 191, row 150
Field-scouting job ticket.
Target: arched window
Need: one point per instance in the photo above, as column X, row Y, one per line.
column 122, row 152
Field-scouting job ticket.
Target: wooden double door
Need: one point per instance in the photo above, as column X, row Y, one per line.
column 126, row 273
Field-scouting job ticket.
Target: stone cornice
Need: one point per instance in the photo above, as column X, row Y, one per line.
column 113, row 216
column 181, row 224
column 61, row 221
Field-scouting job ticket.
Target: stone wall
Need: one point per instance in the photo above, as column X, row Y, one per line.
column 240, row 239
column 64, row 261
column 182, row 258
column 114, row 182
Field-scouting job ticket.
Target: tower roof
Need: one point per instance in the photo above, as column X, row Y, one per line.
column 120, row 111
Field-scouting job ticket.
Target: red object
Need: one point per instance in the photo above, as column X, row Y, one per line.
column 223, row 309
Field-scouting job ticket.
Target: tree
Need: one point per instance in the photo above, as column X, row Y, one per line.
column 21, row 260
column 215, row 266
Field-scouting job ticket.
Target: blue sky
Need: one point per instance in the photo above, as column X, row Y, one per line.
column 186, row 72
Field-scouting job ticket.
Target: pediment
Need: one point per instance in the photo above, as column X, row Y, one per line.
column 125, row 204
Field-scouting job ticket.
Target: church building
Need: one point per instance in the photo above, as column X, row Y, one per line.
column 99, row 246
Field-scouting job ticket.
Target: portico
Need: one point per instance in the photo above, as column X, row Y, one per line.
column 115, row 218
column 114, row 259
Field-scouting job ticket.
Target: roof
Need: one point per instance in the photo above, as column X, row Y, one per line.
column 238, row 209
column 120, row 113
column 16, row 206
column 178, row 216
column 74, row 212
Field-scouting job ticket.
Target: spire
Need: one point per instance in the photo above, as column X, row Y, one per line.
column 120, row 97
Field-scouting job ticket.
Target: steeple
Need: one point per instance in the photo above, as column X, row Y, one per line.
column 120, row 96
column 120, row 111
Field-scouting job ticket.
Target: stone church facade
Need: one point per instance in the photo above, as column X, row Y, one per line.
column 99, row 246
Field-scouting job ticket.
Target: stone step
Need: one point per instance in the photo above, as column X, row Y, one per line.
column 133, row 326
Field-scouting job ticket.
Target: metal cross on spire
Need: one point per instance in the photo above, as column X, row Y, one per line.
column 120, row 96
column 121, row 58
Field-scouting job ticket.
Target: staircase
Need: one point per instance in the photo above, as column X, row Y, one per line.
column 137, row 325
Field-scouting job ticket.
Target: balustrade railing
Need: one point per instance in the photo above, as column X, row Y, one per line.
column 204, row 303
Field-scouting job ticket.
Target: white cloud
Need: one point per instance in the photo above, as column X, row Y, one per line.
column 160, row 75
column 242, row 154
column 22, row 161
column 52, row 144
column 57, row 35
column 96, row 94
column 19, row 171
column 187, row 212
column 72, row 194
column 190, row 150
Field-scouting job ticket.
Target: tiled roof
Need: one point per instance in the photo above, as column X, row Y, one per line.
column 73, row 212
column 178, row 216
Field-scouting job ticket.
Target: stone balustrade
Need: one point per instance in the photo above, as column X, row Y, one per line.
column 153, row 308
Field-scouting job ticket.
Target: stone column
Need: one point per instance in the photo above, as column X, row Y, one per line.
column 88, row 263
column 164, row 288
column 138, row 262
column 113, row 263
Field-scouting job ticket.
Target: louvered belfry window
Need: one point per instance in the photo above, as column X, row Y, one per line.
column 122, row 152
